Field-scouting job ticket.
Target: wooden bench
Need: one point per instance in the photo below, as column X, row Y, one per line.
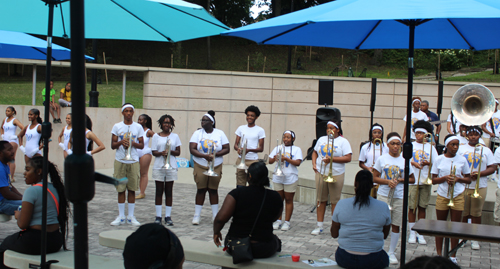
column 459, row 230
column 66, row 260
column 4, row 218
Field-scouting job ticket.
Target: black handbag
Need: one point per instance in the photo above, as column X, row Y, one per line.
column 241, row 247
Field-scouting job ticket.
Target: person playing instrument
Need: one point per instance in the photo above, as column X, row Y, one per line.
column 199, row 146
column 65, row 96
column 164, row 179
column 33, row 132
column 251, row 206
column 491, row 128
column 127, row 137
column 361, row 246
column 144, row 154
column 322, row 160
column 442, row 174
column 424, row 107
column 10, row 197
column 90, row 139
column 462, row 136
column 416, row 115
column 371, row 151
column 453, row 124
column 254, row 135
column 286, row 184
column 473, row 207
column 65, row 135
column 421, row 162
column 8, row 131
column 385, row 172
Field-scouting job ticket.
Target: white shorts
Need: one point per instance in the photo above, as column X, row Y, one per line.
column 142, row 152
column 165, row 175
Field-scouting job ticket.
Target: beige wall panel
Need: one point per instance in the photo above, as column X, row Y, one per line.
column 294, row 108
column 380, row 112
column 186, row 91
column 295, row 96
column 252, row 82
column 384, row 87
column 348, row 86
column 295, row 84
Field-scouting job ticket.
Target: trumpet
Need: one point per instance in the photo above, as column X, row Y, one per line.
column 476, row 193
column 279, row 166
column 390, row 197
column 210, row 172
column 451, row 189
column 420, row 170
column 329, row 177
column 168, row 147
column 376, row 141
column 428, row 181
column 128, row 156
column 243, row 146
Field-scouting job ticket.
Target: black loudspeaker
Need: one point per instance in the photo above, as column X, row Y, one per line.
column 440, row 98
column 374, row 94
column 323, row 115
column 325, row 96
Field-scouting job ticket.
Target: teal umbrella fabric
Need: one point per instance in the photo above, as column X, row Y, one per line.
column 152, row 20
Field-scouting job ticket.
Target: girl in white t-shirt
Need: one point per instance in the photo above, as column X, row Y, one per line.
column 416, row 115
column 8, row 131
column 164, row 179
column 442, row 175
column 65, row 135
column 286, row 184
column 144, row 154
column 371, row 151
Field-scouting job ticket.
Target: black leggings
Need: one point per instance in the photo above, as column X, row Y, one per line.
column 28, row 242
column 261, row 249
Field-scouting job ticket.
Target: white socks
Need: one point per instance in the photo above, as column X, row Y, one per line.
column 197, row 210
column 158, row 210
column 121, row 210
column 394, row 242
column 168, row 211
column 131, row 208
column 215, row 210
column 411, row 224
column 320, row 224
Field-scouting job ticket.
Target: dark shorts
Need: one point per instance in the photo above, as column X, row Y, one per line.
column 373, row 260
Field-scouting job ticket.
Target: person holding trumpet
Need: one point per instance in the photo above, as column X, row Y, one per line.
column 482, row 164
column 207, row 145
column 371, row 151
column 286, row 175
column 419, row 193
column 165, row 147
column 389, row 173
column 329, row 157
column 451, row 171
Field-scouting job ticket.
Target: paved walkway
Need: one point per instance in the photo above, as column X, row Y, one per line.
column 103, row 209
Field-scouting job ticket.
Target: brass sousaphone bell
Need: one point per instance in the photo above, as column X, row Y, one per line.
column 473, row 104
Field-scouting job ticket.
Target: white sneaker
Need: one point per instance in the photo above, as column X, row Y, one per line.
column 317, row 231
column 393, row 259
column 133, row 221
column 118, row 221
column 196, row 220
column 475, row 245
column 413, row 238
column 285, row 226
column 454, row 260
column 421, row 240
column 277, row 224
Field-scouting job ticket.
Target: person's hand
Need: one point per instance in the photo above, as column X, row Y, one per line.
column 17, row 214
column 239, row 151
column 370, row 169
column 208, row 157
column 393, row 183
column 326, row 159
column 473, row 175
column 125, row 143
column 417, row 165
column 424, row 163
column 164, row 153
column 218, row 239
column 450, row 179
column 315, row 169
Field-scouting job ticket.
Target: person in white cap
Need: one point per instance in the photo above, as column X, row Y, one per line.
column 416, row 115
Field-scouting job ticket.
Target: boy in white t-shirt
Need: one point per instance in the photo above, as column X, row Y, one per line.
column 121, row 134
column 416, row 115
column 254, row 136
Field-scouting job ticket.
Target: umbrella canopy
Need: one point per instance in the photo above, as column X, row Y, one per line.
column 23, row 46
column 152, row 20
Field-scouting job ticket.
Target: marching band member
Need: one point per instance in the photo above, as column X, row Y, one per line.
column 385, row 172
column 474, row 206
column 462, row 136
column 65, row 135
column 8, row 130
column 286, row 184
column 254, row 135
column 144, row 154
column 491, row 128
column 496, row 210
column 453, row 124
column 321, row 157
column 421, row 162
column 33, row 132
column 199, row 145
column 90, row 138
column 371, row 151
column 442, row 174
column 416, row 115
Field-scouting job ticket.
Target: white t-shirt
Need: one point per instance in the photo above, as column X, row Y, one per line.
column 387, row 166
column 416, row 117
column 442, row 167
column 252, row 135
column 159, row 144
column 290, row 171
column 456, row 122
column 497, row 161
column 121, row 129
column 468, row 152
column 366, row 153
column 496, row 122
column 419, row 156
column 205, row 140
column 341, row 148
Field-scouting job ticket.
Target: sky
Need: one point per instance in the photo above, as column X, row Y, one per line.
column 256, row 10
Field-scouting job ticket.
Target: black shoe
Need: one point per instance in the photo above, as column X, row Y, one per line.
column 55, row 120
column 158, row 220
column 168, row 221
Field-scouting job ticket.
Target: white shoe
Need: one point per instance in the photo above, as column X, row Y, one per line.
column 413, row 238
column 133, row 221
column 454, row 260
column 118, row 221
column 285, row 226
column 475, row 245
column 393, row 259
column 421, row 240
column 317, row 231
column 277, row 224
column 196, row 220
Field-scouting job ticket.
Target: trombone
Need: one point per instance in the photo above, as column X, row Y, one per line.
column 451, row 189
column 429, row 179
column 390, row 197
column 279, row 165
column 476, row 190
column 210, row 172
column 243, row 146
column 376, row 141
column 328, row 177
column 128, row 156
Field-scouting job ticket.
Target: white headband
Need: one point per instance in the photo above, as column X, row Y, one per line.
column 420, row 130
column 449, row 139
column 416, row 100
column 128, row 105
column 393, row 138
column 333, row 123
column 377, row 128
column 210, row 117
column 288, row 132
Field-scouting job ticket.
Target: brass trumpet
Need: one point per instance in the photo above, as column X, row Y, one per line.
column 420, row 171
column 428, row 181
column 128, row 156
column 390, row 197
column 210, row 172
column 476, row 190
column 243, row 146
column 451, row 189
column 329, row 177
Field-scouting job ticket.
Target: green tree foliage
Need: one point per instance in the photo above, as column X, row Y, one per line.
column 233, row 13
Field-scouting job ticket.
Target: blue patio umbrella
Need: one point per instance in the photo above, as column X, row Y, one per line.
column 386, row 24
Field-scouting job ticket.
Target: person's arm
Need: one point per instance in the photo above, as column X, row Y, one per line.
column 237, row 144
column 260, row 147
column 225, row 213
column 448, row 127
column 115, row 144
column 386, row 230
column 60, row 136
column 150, row 133
column 21, row 134
column 196, row 153
column 363, row 166
column 314, row 157
column 438, row 129
column 483, row 126
column 466, row 179
column 225, row 150
column 61, row 95
column 1, row 127
column 9, row 194
column 24, row 216
column 490, row 169
column 342, row 159
column 100, row 145
column 139, row 145
column 378, row 179
column 39, row 128
column 334, row 230
column 176, row 152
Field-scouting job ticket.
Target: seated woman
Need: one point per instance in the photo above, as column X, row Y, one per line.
column 361, row 224
column 29, row 219
column 243, row 205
